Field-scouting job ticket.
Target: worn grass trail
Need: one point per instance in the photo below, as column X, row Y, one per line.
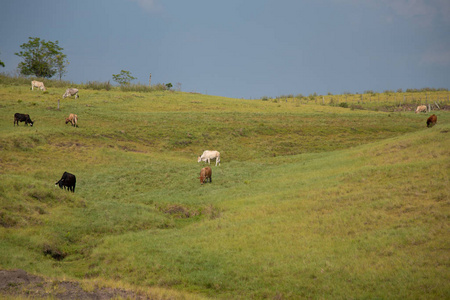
column 310, row 201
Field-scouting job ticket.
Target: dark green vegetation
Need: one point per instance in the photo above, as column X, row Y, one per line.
column 310, row 201
column 42, row 59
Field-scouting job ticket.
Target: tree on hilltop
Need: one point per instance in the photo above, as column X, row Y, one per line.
column 123, row 78
column 2, row 63
column 41, row 58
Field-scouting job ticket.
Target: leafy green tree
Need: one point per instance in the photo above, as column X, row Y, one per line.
column 2, row 63
column 61, row 63
column 40, row 58
column 169, row 86
column 123, row 78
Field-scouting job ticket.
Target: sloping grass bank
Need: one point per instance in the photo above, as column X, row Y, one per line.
column 310, row 201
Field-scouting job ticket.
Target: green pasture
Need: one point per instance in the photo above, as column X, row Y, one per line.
column 310, row 201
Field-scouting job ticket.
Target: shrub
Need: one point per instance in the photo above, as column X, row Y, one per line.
column 123, row 78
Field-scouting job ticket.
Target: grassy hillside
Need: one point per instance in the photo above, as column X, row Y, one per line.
column 311, row 201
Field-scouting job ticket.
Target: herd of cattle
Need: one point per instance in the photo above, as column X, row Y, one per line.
column 69, row 180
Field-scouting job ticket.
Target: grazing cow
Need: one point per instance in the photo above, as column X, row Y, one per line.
column 205, row 173
column 208, row 155
column 421, row 108
column 22, row 118
column 67, row 180
column 431, row 121
column 73, row 119
column 71, row 92
column 38, row 84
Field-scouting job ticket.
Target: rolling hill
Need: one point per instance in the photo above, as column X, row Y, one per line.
column 310, row 200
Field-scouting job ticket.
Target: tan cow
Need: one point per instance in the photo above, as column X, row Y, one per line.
column 38, row 84
column 421, row 108
column 73, row 119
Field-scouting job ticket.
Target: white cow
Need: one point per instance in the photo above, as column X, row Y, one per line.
column 71, row 92
column 421, row 108
column 208, row 155
column 38, row 84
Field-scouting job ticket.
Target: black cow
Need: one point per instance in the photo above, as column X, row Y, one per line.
column 22, row 118
column 68, row 180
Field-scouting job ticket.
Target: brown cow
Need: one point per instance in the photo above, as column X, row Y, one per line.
column 431, row 121
column 205, row 173
column 73, row 119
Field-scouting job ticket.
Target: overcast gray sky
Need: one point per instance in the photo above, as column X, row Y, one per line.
column 242, row 49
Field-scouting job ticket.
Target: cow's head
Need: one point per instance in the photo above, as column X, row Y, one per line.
column 30, row 122
column 202, row 179
column 199, row 159
column 67, row 120
column 60, row 183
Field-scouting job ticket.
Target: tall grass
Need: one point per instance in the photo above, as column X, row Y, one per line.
column 96, row 85
column 387, row 101
column 310, row 201
column 143, row 88
column 17, row 80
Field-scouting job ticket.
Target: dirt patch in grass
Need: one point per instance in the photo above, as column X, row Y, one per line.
column 178, row 211
column 18, row 283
